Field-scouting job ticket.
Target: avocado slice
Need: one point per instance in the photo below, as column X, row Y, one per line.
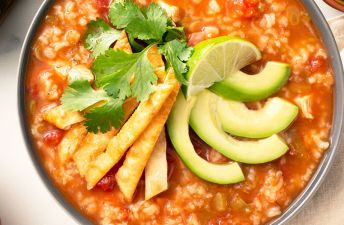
column 205, row 122
column 236, row 119
column 244, row 87
column 178, row 130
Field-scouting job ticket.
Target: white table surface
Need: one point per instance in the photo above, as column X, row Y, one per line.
column 24, row 200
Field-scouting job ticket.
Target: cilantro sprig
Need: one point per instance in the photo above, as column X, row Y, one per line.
column 177, row 53
column 115, row 68
column 119, row 75
column 79, row 95
column 104, row 117
column 147, row 23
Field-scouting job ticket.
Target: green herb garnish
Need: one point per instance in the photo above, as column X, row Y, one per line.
column 119, row 75
column 177, row 53
column 115, row 68
column 104, row 117
column 99, row 37
column 147, row 23
column 79, row 95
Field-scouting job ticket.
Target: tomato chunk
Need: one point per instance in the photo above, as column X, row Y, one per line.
column 108, row 182
column 315, row 63
column 103, row 7
column 246, row 8
column 52, row 137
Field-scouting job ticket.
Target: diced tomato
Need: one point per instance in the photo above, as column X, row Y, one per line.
column 107, row 183
column 33, row 90
column 196, row 37
column 52, row 137
column 246, row 8
column 205, row 33
column 103, row 7
column 315, row 63
column 251, row 8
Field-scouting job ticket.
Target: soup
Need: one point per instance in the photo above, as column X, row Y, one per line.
column 274, row 26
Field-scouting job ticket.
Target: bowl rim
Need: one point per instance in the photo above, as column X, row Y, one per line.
column 313, row 184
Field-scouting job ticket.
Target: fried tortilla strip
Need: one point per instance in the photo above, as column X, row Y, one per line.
column 61, row 118
column 157, row 63
column 138, row 155
column 92, row 145
column 95, row 144
column 156, row 169
column 123, row 43
column 70, row 142
column 130, row 131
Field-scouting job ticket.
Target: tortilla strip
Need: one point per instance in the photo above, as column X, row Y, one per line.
column 130, row 131
column 61, row 118
column 138, row 155
column 92, row 145
column 95, row 144
column 157, row 63
column 70, row 142
column 156, row 169
column 123, row 43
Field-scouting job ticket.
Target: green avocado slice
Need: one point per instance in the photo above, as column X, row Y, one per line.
column 236, row 119
column 205, row 122
column 243, row 87
column 178, row 130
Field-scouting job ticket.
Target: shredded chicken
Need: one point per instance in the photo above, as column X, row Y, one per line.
column 305, row 104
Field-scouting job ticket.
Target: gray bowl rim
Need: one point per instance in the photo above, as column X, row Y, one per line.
column 326, row 36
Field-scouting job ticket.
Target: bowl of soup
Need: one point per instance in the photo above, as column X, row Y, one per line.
column 181, row 112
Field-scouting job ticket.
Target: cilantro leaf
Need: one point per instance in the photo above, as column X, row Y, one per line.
column 144, row 78
column 99, row 37
column 174, row 33
column 112, row 72
column 177, row 53
column 79, row 95
column 122, row 13
column 152, row 27
column 115, row 69
column 137, row 47
column 146, row 24
column 104, row 117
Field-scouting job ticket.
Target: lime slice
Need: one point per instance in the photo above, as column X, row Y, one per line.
column 215, row 59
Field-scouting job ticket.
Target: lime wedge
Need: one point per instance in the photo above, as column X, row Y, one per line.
column 215, row 59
